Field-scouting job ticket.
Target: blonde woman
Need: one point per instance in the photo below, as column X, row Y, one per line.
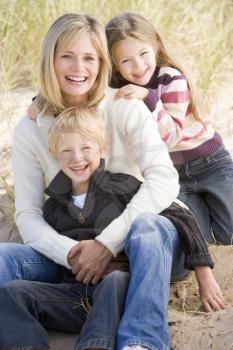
column 74, row 69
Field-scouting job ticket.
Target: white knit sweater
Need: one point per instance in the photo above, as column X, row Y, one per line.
column 135, row 148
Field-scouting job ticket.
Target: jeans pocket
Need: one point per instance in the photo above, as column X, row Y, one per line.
column 221, row 154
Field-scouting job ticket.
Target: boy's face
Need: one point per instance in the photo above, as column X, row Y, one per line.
column 78, row 158
column 135, row 60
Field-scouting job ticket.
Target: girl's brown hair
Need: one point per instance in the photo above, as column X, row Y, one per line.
column 132, row 25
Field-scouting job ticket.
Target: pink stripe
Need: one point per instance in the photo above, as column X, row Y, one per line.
column 166, row 137
column 189, row 111
column 175, row 96
column 186, row 138
column 178, row 121
column 161, row 114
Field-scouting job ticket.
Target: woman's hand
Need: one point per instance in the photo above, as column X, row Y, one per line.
column 89, row 260
column 32, row 111
column 132, row 91
column 210, row 292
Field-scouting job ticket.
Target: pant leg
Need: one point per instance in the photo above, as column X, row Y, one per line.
column 19, row 261
column 150, row 246
column 27, row 308
column 207, row 188
column 218, row 185
column 100, row 328
column 195, row 200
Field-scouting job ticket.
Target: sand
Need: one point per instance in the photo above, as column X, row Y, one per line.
column 191, row 329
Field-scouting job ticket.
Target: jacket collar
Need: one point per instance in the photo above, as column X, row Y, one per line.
column 60, row 187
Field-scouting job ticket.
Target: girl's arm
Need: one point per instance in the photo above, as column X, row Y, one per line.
column 29, row 195
column 134, row 128
column 169, row 104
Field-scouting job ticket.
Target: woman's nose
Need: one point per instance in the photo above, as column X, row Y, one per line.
column 77, row 64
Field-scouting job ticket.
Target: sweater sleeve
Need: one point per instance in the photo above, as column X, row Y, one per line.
column 138, row 131
column 29, row 197
column 172, row 110
column 194, row 245
column 151, row 99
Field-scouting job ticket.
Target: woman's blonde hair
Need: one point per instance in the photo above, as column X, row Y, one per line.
column 132, row 25
column 86, row 122
column 60, row 34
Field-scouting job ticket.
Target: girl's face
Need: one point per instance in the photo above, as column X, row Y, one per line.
column 76, row 67
column 78, row 158
column 135, row 60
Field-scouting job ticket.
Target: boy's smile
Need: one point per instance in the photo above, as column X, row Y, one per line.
column 135, row 60
column 78, row 158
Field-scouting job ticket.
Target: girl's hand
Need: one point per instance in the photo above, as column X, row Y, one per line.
column 33, row 111
column 210, row 292
column 132, row 91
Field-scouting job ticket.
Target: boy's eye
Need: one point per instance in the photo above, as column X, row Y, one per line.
column 66, row 56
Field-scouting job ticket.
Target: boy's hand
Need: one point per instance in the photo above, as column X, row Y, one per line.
column 132, row 91
column 32, row 111
column 89, row 260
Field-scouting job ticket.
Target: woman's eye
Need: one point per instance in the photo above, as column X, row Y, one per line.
column 65, row 151
column 65, row 56
column 89, row 58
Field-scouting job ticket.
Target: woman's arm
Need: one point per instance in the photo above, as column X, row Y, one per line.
column 29, row 194
column 135, row 130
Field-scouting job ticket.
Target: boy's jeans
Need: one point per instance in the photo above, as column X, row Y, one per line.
column 21, row 262
column 119, row 317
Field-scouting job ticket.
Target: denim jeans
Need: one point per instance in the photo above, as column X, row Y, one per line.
column 119, row 316
column 21, row 262
column 206, row 186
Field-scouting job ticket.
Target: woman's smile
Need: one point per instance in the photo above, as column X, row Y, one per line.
column 76, row 67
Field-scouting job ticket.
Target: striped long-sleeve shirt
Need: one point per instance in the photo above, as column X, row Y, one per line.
column 169, row 101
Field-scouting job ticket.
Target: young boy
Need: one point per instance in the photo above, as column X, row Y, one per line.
column 84, row 198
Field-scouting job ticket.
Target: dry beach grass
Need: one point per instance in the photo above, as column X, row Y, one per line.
column 202, row 34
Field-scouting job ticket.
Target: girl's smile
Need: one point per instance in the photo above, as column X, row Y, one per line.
column 135, row 60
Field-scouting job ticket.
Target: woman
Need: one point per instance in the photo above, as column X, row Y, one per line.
column 74, row 69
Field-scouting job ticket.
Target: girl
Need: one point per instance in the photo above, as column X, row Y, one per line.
column 143, row 69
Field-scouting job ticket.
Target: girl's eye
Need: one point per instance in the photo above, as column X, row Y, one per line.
column 144, row 53
column 66, row 151
column 86, row 148
column 125, row 60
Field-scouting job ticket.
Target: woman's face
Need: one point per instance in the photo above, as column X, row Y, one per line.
column 76, row 67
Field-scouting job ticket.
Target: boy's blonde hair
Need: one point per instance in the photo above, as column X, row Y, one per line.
column 61, row 34
column 132, row 25
column 85, row 122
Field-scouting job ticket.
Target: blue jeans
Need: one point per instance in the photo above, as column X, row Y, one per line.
column 21, row 262
column 119, row 316
column 207, row 188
